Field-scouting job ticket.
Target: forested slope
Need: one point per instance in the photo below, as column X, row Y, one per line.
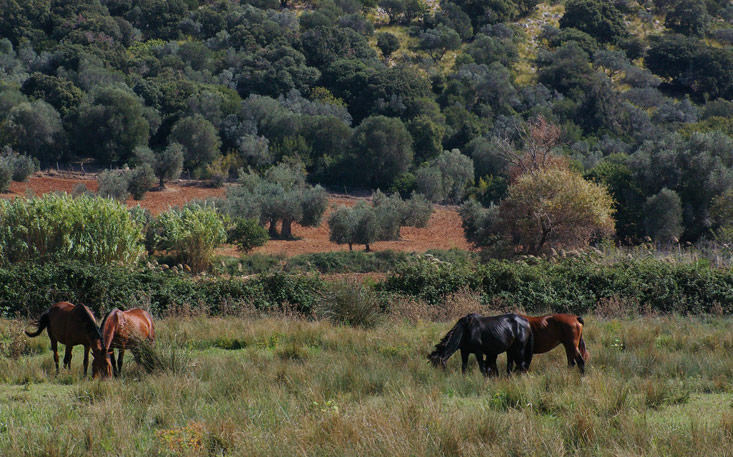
column 371, row 95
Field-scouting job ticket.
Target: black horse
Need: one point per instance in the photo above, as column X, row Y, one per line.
column 489, row 336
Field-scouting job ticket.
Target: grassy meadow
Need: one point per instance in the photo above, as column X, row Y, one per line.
column 281, row 386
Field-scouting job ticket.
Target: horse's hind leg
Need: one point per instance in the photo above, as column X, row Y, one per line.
column 514, row 360
column 67, row 356
column 577, row 358
column 55, row 349
column 581, row 363
column 464, row 360
column 574, row 357
column 86, row 359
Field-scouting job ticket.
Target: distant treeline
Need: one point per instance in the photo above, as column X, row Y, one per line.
column 417, row 99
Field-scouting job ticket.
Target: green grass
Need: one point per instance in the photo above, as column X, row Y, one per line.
column 279, row 386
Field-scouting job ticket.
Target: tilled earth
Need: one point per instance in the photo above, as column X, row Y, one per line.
column 443, row 231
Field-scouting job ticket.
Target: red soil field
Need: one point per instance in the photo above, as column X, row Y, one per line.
column 443, row 231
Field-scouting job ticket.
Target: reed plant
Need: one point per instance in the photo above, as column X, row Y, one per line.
column 192, row 233
column 57, row 226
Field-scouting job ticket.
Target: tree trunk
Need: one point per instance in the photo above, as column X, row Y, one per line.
column 368, row 249
column 351, row 247
column 287, row 230
column 162, row 184
column 273, row 228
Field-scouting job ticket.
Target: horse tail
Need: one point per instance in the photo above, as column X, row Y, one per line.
column 581, row 344
column 42, row 323
column 450, row 342
column 583, row 351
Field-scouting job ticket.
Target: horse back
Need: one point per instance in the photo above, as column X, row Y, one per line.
column 498, row 333
column 141, row 322
column 70, row 324
column 552, row 330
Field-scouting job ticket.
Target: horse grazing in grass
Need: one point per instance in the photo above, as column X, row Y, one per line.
column 566, row 329
column 70, row 325
column 487, row 336
column 122, row 329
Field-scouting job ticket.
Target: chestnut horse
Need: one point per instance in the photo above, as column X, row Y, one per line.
column 487, row 336
column 566, row 329
column 121, row 329
column 71, row 325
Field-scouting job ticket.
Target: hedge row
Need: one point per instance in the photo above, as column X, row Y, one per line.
column 576, row 285
column 29, row 289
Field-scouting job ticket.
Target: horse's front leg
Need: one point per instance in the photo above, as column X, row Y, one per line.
column 86, row 359
column 482, row 364
column 120, row 355
column 491, row 365
column 111, row 355
column 464, row 360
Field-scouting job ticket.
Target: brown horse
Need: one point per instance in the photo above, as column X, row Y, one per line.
column 71, row 325
column 566, row 329
column 121, row 329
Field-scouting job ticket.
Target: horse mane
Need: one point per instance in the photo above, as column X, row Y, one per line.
column 108, row 335
column 91, row 322
column 450, row 342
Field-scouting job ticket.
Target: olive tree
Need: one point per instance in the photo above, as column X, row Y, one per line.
column 355, row 225
column 446, row 178
column 199, row 139
column 663, row 216
column 380, row 150
column 280, row 196
column 381, row 221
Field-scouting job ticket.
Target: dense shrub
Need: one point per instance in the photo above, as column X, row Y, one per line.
column 29, row 289
column 247, row 234
column 350, row 302
column 192, row 232
column 53, row 227
column 6, row 175
column 140, row 181
column 346, row 261
column 430, row 278
column 576, row 285
column 20, row 166
column 113, row 184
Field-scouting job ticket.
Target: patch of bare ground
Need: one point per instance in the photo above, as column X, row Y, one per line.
column 443, row 231
column 156, row 201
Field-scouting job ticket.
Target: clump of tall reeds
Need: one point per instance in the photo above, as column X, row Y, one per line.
column 350, row 302
column 58, row 226
column 168, row 357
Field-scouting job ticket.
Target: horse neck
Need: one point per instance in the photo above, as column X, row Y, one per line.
column 97, row 346
column 108, row 329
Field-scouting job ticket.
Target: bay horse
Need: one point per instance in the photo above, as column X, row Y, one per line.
column 121, row 329
column 71, row 325
column 566, row 329
column 487, row 336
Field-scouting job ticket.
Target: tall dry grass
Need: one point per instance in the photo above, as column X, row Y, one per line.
column 279, row 385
